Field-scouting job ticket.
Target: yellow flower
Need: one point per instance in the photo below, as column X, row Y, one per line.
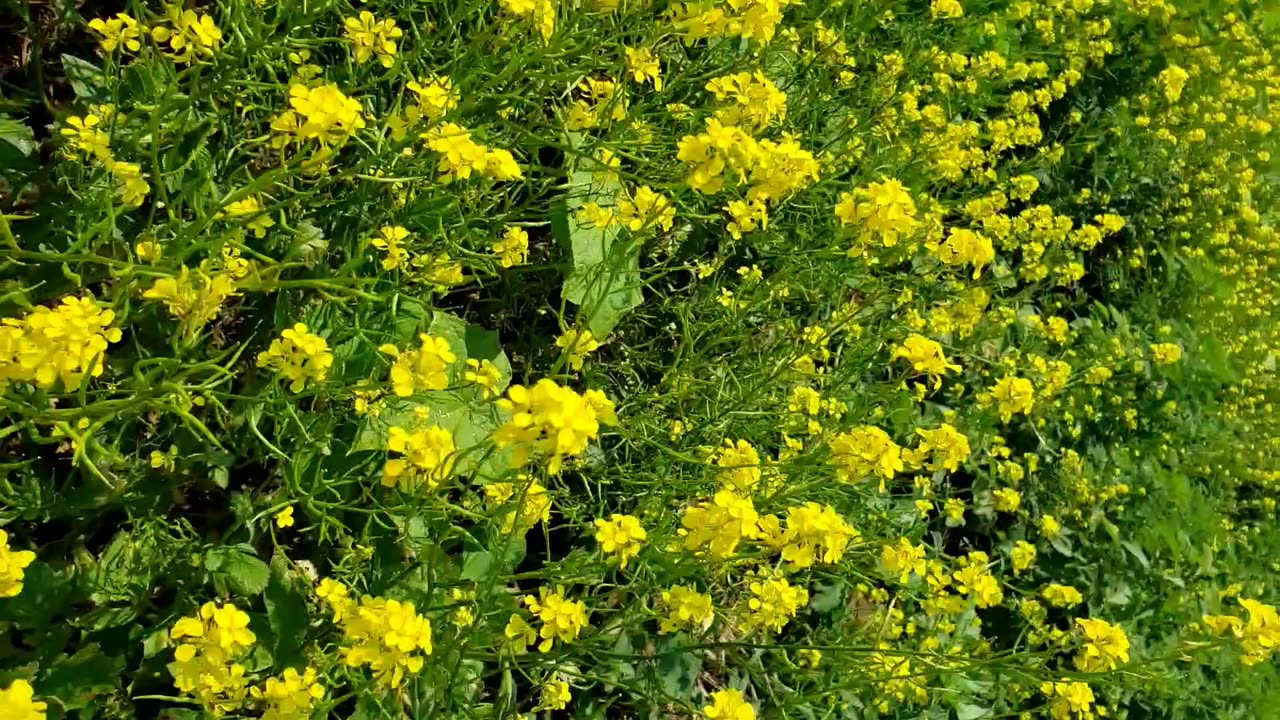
column 427, row 458
column 388, row 636
column 327, row 115
column 119, row 31
column 1061, row 595
column 973, row 579
column 739, row 465
column 864, row 452
column 883, row 210
column 554, row 695
column 1106, row 647
column 1013, row 395
column 191, row 34
column 436, row 96
column 718, row 525
column 621, row 536
column 1069, row 700
column 1049, row 527
column 1023, row 554
column 946, row 8
column 370, row 37
column 194, row 299
column 965, row 246
column 728, row 705
column 284, row 518
column 1171, row 80
column 249, row 207
column 299, row 355
column 290, row 696
column 17, row 702
column 84, row 135
column 12, row 567
column 926, row 356
column 576, row 344
column 1165, row 353
column 460, row 156
column 644, row 67
column 484, row 374
column 512, row 248
column 1261, row 635
column 815, row 533
column 646, row 210
column 1006, row 500
column 562, row 619
column 773, row 602
column 686, row 609
column 903, row 559
column 552, row 421
column 535, row 503
column 948, row 446
column 420, row 370
column 808, row 658
column 63, row 343
column 389, row 241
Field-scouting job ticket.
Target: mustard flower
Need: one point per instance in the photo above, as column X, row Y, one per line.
column 420, row 370
column 1165, row 353
column 754, row 102
column 1068, row 700
column 926, row 356
column 299, row 356
column 718, row 525
column 370, row 37
column 83, row 134
column 975, row 580
column 884, row 212
column 388, row 636
column 1171, row 80
column 193, row 298
column 645, row 210
column 534, row 507
column 1260, row 637
column 1013, row 395
column 685, row 609
column 435, row 94
column 1023, row 554
column 554, row 695
column 815, row 533
column 1049, row 527
column 326, row 114
column 643, row 66
column 551, row 421
column 512, row 248
column 484, row 374
column 427, row 458
column 773, row 603
column 865, row 452
column 1106, row 647
column 562, row 619
column 728, row 705
column 63, row 343
column 620, row 537
column 389, row 241
column 251, row 208
column 17, row 702
column 191, row 34
column 1061, row 595
column 949, row 447
column 902, row 559
column 739, row 465
column 290, row 696
column 12, row 567
column 120, row 31
column 966, row 246
column 284, row 518
column 576, row 344
column 1006, row 500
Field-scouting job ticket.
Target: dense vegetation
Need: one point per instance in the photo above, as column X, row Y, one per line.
column 612, row 358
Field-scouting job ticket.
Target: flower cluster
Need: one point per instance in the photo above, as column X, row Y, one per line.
column 718, row 525
column 12, row 566
column 59, row 344
column 387, row 636
column 460, row 156
column 420, row 370
column 206, row 662
column 370, row 37
column 551, row 421
column 299, row 356
column 560, row 619
column 426, row 460
column 17, row 702
column 685, row 609
column 620, row 537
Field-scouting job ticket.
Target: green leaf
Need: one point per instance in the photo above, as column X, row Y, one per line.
column 462, row 411
column 85, row 78
column 286, row 613
column 968, row 711
column 476, row 565
column 605, row 280
column 677, row 671
column 246, row 574
column 17, row 134
column 76, row 680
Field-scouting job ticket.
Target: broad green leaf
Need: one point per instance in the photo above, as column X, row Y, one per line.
column 18, row 135
column 85, row 78
column 462, row 410
column 678, row 671
column 968, row 711
column 246, row 574
column 77, row 679
column 286, row 613
column 605, row 280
